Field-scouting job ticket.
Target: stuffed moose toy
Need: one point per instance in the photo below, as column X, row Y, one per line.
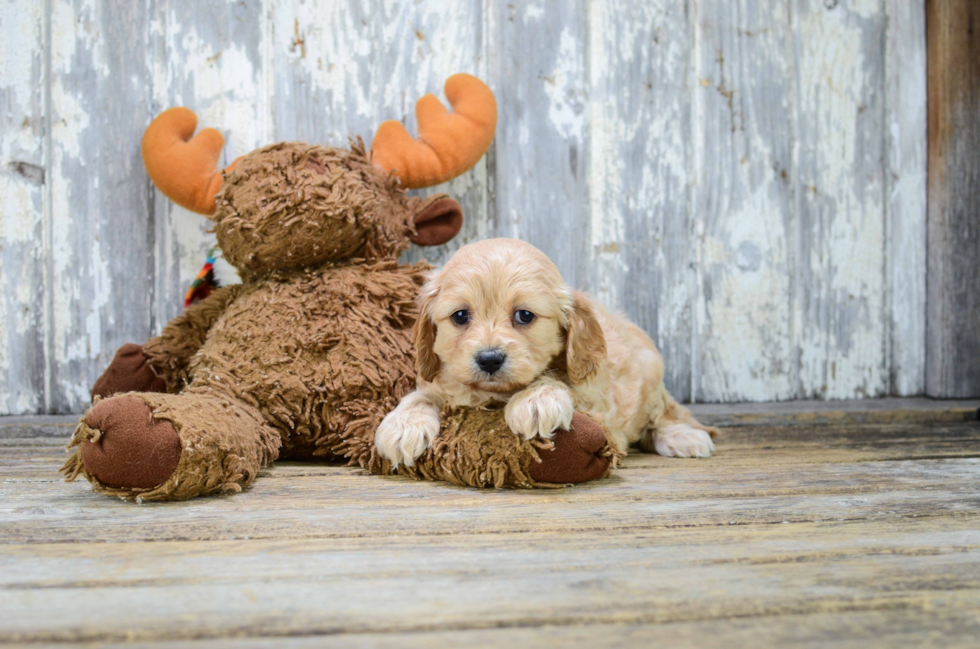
column 308, row 354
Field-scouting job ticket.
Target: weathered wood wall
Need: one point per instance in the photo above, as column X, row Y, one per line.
column 744, row 178
column 953, row 312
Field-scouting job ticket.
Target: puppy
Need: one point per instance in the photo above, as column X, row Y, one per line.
column 498, row 324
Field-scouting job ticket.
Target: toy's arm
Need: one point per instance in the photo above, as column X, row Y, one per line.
column 170, row 353
column 161, row 364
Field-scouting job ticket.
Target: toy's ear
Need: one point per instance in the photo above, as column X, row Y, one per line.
column 437, row 221
column 585, row 345
column 427, row 363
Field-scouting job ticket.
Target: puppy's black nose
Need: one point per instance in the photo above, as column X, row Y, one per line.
column 490, row 360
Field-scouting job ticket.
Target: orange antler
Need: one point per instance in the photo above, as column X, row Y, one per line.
column 449, row 143
column 185, row 169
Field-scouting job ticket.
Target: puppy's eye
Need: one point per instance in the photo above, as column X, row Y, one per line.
column 523, row 317
column 460, row 318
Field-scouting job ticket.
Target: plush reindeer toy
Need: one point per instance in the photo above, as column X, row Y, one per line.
column 308, row 354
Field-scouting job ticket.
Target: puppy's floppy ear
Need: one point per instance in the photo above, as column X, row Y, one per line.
column 585, row 345
column 427, row 363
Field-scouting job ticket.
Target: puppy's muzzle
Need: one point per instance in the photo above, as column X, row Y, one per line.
column 490, row 360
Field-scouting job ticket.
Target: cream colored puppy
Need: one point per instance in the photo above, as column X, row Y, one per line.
column 497, row 323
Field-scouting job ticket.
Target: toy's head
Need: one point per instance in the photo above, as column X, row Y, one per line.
column 292, row 205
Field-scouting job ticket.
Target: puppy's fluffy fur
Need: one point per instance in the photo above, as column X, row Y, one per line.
column 572, row 355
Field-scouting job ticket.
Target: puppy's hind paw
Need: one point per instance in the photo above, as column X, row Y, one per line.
column 540, row 411
column 681, row 440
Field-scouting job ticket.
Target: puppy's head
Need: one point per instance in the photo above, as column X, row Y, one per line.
column 498, row 315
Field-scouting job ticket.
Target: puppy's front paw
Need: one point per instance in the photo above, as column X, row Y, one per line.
column 405, row 434
column 680, row 440
column 540, row 411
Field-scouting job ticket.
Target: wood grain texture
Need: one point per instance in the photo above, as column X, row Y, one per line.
column 839, row 297
column 100, row 274
column 322, row 588
column 858, row 411
column 30, row 454
column 23, row 206
column 872, row 545
column 426, row 43
column 538, row 59
column 743, row 180
column 953, row 313
column 644, row 499
column 211, row 57
column 905, row 182
column 641, row 251
column 882, row 627
column 340, row 69
column 743, row 201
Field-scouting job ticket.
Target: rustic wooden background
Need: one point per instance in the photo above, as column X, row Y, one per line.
column 745, row 178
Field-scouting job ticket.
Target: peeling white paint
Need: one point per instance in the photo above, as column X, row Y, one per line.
column 605, row 168
column 748, row 352
column 328, row 43
column 905, row 89
column 433, row 40
column 562, row 86
column 620, row 135
column 5, row 364
column 744, row 336
column 224, row 88
column 21, row 205
column 76, row 46
column 864, row 8
column 843, row 355
column 533, row 12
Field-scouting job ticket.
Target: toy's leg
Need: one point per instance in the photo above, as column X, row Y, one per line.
column 149, row 446
column 130, row 371
column 676, row 433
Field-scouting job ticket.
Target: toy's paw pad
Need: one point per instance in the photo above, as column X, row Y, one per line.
column 577, row 454
column 406, row 433
column 539, row 411
column 681, row 440
column 134, row 451
column 130, row 371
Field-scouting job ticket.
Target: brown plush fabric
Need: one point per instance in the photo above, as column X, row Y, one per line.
column 318, row 349
column 295, row 205
column 304, row 358
column 476, row 448
column 130, row 371
column 171, row 352
column 223, row 444
column 321, row 354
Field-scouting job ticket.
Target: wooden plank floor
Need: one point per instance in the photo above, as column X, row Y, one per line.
column 844, row 533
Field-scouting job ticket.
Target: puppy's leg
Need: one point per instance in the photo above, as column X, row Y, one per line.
column 676, row 433
column 408, row 430
column 540, row 409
